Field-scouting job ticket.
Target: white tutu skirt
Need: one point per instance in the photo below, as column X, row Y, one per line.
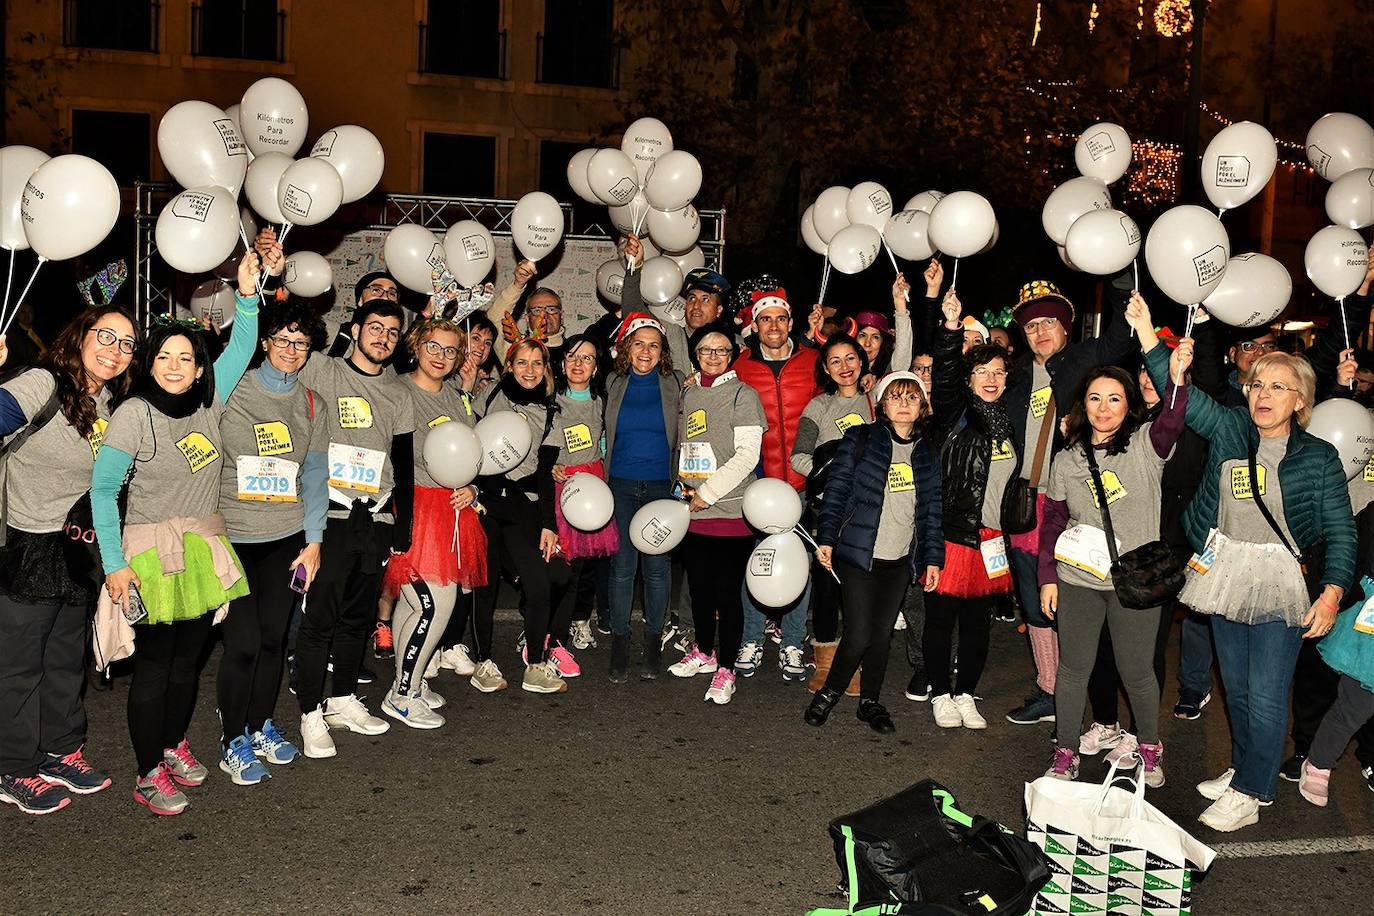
column 1249, row 583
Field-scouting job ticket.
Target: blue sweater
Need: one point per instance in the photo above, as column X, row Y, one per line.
column 641, row 442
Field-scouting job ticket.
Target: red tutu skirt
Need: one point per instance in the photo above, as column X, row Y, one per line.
column 432, row 556
column 965, row 576
column 577, row 543
column 1030, row 541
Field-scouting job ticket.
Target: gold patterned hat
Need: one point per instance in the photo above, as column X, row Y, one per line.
column 1041, row 299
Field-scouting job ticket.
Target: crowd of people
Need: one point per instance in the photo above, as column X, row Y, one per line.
column 172, row 482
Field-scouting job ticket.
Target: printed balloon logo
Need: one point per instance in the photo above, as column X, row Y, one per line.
column 1210, row 265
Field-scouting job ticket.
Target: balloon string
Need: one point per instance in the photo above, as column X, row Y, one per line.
column 825, row 280
column 20, row 301
column 1135, row 274
column 954, row 281
column 805, row 536
column 891, row 257
column 285, row 231
column 1187, row 332
column 456, row 514
column 1345, row 326
column 9, row 281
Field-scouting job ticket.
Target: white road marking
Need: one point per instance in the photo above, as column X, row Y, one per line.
column 1307, row 847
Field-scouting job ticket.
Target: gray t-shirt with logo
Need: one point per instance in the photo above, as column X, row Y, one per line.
column 1238, row 517
column 706, row 439
column 1038, row 414
column 577, row 430
column 536, row 415
column 177, row 461
column 999, row 475
column 897, row 523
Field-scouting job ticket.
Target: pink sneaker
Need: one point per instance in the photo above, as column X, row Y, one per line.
column 1124, row 754
column 184, row 766
column 567, row 665
column 1152, row 755
column 158, row 792
column 1313, row 784
column 1064, row 764
column 722, row 687
column 693, row 663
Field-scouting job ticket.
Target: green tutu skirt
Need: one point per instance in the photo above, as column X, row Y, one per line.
column 191, row 593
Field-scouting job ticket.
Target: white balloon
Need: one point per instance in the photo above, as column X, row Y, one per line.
column 610, row 279
column 1338, row 143
column 830, row 212
column 233, row 112
column 536, row 224
column 307, row 274
column 214, row 299
column 1336, row 260
column 778, row 570
column 771, row 505
column 17, row 163
column 660, row 280
column 577, row 174
column 1103, row 152
column 996, row 234
column 586, row 502
column 1350, row 199
column 854, row 248
column 356, row 155
column 262, row 183
column 908, row 235
column 962, row 224
column 1348, row 426
column 200, row 145
column 675, row 230
column 198, row 229
column 453, row 454
column 274, row 117
column 1186, row 252
column 868, row 204
column 506, row 440
column 629, row 218
column 808, row 231
column 925, row 201
column 1064, row 256
column 1068, row 202
column 644, row 141
column 673, row 180
column 612, row 177
column 70, row 204
column 659, row 526
column 1103, row 242
column 689, row 260
column 1254, row 291
column 412, row 253
column 309, row 192
column 470, row 252
column 1238, row 164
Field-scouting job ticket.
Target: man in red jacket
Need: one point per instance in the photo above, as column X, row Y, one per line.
column 783, row 372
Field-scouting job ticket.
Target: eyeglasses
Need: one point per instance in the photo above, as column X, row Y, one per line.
column 1039, row 324
column 377, row 329
column 434, row 349
column 282, row 343
column 1254, row 346
column 1276, row 388
column 383, row 292
column 579, row 358
column 713, row 352
column 107, row 338
column 545, row 309
column 912, row 398
column 985, row 372
column 922, row 370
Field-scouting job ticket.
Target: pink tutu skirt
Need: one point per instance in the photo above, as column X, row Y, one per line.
column 431, row 555
column 603, row 542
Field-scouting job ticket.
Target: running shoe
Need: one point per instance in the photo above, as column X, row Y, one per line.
column 1232, row 811
column 722, row 688
column 773, row 630
column 350, row 713
column 269, row 744
column 365, row 675
column 1314, row 784
column 434, row 667
column 1291, row 770
column 1125, row 753
column 946, row 713
column 429, row 697
column 383, row 646
column 1064, row 764
column 793, row 664
column 581, row 634
column 1100, row 738
column 671, row 631
column 917, row 690
column 315, row 741
column 183, row 765
column 411, row 710
column 1152, row 755
column 33, row 794
column 242, row 765
column 1189, row 707
column 968, row 712
column 695, row 662
column 457, row 660
column 603, row 624
column 749, row 658
column 73, row 772
column 563, row 659
column 1039, row 707
column 158, row 792
column 487, row 677
column 543, row 678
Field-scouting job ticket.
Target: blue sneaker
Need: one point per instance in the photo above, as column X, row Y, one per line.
column 749, row 658
column 33, row 794
column 269, row 744
column 1038, row 708
column 73, row 772
column 238, row 761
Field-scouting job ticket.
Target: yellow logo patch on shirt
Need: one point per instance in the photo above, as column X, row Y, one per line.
column 848, row 421
column 577, row 437
column 199, row 451
column 696, row 423
column 1369, row 470
column 1002, row 450
column 355, row 413
column 437, row 420
column 273, row 438
column 97, row 436
column 1111, row 483
column 1040, row 401
column 1240, row 482
column 900, row 478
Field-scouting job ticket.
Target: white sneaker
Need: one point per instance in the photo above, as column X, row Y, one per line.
column 433, row 668
column 582, row 636
column 315, row 740
column 1214, row 788
column 946, row 713
column 350, row 713
column 694, row 663
column 968, row 712
column 1232, row 811
column 457, row 660
column 749, row 658
column 487, row 678
column 722, row 687
column 1125, row 753
column 411, row 710
column 1100, row 738
column 430, row 698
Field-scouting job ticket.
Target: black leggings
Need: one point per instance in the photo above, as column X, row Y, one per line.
column 715, row 578
column 974, row 618
column 825, row 604
column 162, row 693
column 872, row 600
column 254, row 633
column 578, row 598
column 513, row 543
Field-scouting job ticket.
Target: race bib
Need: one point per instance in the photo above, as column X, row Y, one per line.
column 577, row 437
column 1111, row 483
column 1002, row 450
column 437, row 420
column 1201, row 562
column 199, row 451
column 1364, row 620
column 97, row 436
column 847, row 421
column 353, row 467
column 1240, row 482
column 1085, row 547
column 696, row 461
column 355, row 413
column 900, row 479
column 271, row 480
column 273, row 438
column 994, row 552
column 1040, row 401
column 696, row 423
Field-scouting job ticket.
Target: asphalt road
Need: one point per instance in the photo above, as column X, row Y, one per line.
column 630, row 799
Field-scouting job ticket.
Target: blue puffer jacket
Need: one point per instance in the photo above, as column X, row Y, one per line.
column 854, row 500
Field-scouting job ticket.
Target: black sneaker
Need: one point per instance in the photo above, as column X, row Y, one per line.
column 875, row 715
column 1189, row 708
column 1292, row 768
column 917, row 690
column 1039, row 707
column 365, row 675
column 603, row 625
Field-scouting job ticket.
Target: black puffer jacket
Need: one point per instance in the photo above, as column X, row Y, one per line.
column 964, row 440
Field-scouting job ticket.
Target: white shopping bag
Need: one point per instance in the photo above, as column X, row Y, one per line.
column 1109, row 850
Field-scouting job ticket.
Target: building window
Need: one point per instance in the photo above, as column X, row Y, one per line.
column 113, row 25
column 463, row 38
column 577, row 46
column 118, row 140
column 459, row 165
column 553, row 167
column 243, row 29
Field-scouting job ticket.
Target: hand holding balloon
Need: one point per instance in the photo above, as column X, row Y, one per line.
column 952, row 308
column 1181, row 360
column 634, row 250
column 1345, row 370
column 249, row 268
column 935, row 276
column 901, row 293
column 1138, row 317
column 815, row 320
column 823, row 557
column 462, row 497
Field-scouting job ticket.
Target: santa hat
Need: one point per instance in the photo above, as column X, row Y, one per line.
column 633, row 322
column 761, row 299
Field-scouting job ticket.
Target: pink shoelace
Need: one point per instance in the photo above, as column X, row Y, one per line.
column 183, row 753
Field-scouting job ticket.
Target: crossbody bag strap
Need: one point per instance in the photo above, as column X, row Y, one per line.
column 1264, row 510
column 1102, row 502
column 1042, row 443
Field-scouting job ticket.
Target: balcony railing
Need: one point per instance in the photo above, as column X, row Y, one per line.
column 600, row 71
column 109, row 26
column 255, row 38
column 484, row 58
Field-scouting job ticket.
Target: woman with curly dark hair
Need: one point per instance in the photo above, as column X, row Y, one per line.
column 57, row 413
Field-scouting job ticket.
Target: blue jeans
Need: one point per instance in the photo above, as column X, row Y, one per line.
column 1195, row 657
column 793, row 619
column 1025, row 574
column 629, row 496
column 1257, row 663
